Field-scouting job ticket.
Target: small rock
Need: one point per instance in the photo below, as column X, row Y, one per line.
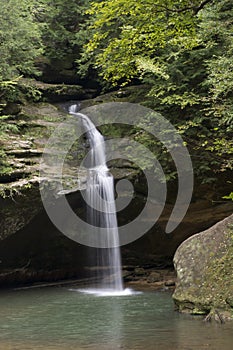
column 154, row 277
column 139, row 271
column 12, row 108
column 229, row 301
column 122, row 93
column 170, row 283
column 127, row 275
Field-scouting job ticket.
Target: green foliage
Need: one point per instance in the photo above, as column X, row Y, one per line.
column 184, row 52
column 38, row 32
column 218, row 32
column 128, row 33
column 6, row 126
column 62, row 26
column 230, row 196
column 20, row 41
column 29, row 89
column 8, row 91
column 20, row 45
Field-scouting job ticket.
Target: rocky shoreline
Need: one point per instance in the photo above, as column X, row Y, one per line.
column 142, row 278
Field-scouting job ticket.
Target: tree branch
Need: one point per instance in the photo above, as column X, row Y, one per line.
column 193, row 8
column 201, row 6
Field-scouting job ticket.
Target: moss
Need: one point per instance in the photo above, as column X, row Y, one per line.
column 204, row 265
column 218, row 283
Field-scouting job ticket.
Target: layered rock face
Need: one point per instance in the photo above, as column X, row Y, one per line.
column 31, row 247
column 204, row 265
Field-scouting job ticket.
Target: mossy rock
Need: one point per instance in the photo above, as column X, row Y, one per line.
column 132, row 94
column 35, row 90
column 204, row 265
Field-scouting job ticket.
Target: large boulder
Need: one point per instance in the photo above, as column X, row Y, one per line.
column 204, row 265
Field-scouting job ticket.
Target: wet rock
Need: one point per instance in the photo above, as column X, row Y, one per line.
column 170, row 283
column 127, row 275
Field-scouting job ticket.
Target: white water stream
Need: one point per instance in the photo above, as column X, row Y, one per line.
column 101, row 211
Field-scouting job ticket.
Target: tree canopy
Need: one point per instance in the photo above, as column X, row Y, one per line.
column 128, row 32
column 183, row 50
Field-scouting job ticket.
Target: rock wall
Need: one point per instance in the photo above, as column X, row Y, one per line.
column 31, row 248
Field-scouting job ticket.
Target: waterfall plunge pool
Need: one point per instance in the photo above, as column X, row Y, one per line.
column 62, row 319
column 106, row 292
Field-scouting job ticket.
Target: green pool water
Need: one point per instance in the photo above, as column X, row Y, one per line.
column 58, row 318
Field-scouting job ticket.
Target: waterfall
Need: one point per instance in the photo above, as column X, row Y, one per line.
column 101, row 210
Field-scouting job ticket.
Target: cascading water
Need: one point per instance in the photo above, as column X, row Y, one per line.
column 101, row 211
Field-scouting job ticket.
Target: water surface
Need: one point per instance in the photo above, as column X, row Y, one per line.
column 61, row 319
